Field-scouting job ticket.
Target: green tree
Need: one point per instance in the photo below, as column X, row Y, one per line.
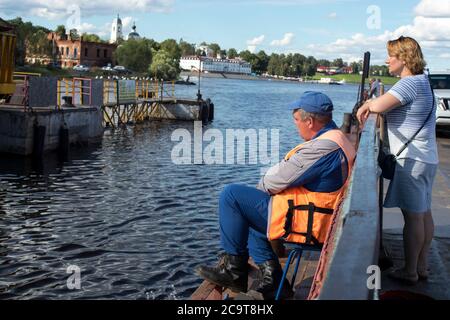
column 164, row 66
column 324, row 62
column 246, row 55
column 38, row 44
column 135, row 55
column 24, row 30
column 263, row 60
column 232, row 53
column 215, row 48
column 187, row 49
column 172, row 48
column 355, row 66
column 310, row 66
column 274, row 64
column 61, row 31
column 338, row 63
column 92, row 38
column 74, row 34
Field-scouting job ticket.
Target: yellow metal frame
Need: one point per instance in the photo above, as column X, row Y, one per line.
column 7, row 48
column 17, row 73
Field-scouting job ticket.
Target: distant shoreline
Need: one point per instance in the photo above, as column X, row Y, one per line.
column 222, row 76
column 350, row 79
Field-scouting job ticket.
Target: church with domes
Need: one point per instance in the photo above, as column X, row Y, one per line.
column 134, row 35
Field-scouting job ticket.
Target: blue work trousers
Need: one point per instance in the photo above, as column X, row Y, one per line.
column 243, row 214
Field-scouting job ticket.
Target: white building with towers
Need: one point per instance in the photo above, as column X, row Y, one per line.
column 116, row 30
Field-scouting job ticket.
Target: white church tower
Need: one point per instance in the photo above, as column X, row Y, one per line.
column 116, row 30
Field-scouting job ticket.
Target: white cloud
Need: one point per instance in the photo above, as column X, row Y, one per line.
column 287, row 39
column 256, row 41
column 332, row 15
column 253, row 43
column 433, row 8
column 57, row 9
column 433, row 34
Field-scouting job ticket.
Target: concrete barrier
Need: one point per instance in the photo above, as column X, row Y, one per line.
column 16, row 127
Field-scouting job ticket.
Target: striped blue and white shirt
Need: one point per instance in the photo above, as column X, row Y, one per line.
column 415, row 94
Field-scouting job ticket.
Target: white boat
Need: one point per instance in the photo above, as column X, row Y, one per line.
column 329, row 81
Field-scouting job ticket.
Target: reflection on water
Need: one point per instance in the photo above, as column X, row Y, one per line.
column 133, row 222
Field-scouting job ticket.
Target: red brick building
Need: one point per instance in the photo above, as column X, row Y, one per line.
column 70, row 53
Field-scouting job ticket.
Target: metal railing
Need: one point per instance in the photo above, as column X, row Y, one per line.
column 151, row 89
column 79, row 89
column 109, row 91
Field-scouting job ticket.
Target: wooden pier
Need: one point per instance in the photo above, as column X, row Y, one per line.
column 52, row 103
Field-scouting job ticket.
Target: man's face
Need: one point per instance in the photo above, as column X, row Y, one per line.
column 303, row 126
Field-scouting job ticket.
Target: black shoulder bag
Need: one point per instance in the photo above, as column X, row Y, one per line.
column 387, row 161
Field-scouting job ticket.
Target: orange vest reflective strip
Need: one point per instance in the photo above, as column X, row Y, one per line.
column 310, row 216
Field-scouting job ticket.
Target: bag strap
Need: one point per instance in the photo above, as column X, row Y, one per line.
column 423, row 125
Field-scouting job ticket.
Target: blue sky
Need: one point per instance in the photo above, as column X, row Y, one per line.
column 322, row 28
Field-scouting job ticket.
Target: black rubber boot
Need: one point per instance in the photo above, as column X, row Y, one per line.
column 271, row 274
column 230, row 272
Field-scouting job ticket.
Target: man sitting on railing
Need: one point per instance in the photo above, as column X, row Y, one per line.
column 313, row 174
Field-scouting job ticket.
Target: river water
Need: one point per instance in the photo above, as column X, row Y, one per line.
column 124, row 217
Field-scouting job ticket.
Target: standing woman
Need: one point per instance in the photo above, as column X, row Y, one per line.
column 407, row 106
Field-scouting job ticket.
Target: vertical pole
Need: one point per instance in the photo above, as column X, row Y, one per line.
column 58, row 94
column 73, row 91
column 381, row 181
column 199, row 95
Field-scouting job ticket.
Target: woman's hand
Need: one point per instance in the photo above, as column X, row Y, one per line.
column 363, row 113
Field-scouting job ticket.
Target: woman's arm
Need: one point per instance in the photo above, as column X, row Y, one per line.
column 384, row 103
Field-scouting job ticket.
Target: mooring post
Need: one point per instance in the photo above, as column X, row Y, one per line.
column 38, row 141
column 63, row 148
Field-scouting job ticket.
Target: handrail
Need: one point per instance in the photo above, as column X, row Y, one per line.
column 20, row 73
column 74, row 88
column 356, row 239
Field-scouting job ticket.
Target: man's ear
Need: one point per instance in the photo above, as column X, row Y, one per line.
column 311, row 122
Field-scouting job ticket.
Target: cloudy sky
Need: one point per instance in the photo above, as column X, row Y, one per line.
column 322, row 28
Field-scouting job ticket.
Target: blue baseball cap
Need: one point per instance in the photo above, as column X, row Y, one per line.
column 313, row 101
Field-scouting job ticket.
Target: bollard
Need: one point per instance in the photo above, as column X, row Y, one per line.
column 346, row 124
column 211, row 112
column 38, row 141
column 204, row 114
column 210, row 109
column 63, row 148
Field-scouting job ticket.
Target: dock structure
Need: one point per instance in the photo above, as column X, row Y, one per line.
column 83, row 107
column 350, row 264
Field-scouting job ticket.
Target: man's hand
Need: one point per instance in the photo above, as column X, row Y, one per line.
column 363, row 113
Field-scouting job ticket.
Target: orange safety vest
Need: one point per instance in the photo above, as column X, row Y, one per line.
column 303, row 216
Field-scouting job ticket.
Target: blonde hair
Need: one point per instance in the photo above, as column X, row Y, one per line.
column 408, row 50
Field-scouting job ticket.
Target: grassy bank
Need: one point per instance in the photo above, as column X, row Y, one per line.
column 355, row 78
